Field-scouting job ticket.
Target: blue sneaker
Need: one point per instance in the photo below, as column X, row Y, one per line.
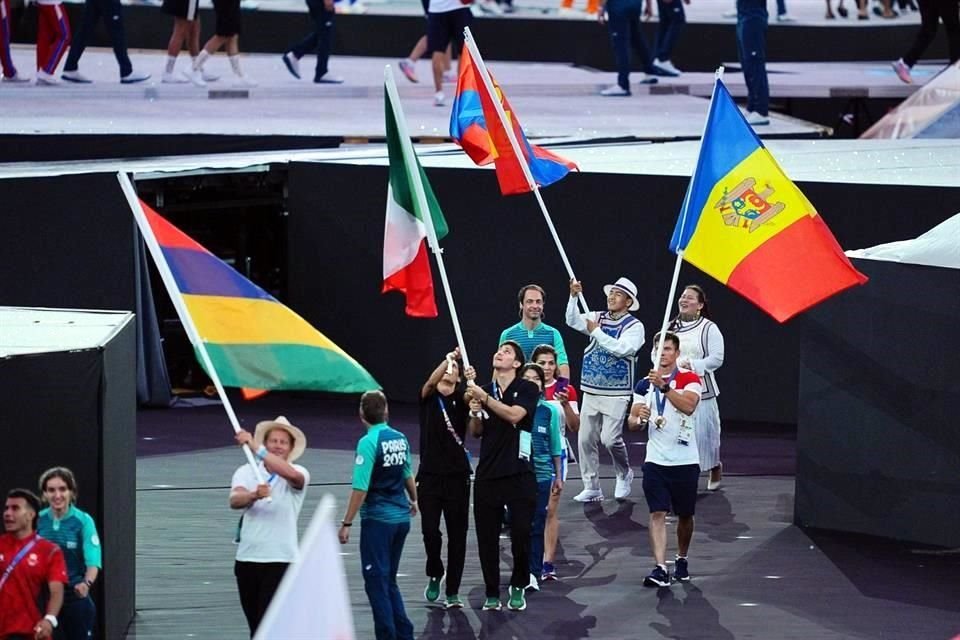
column 549, row 572
column 657, row 578
column 680, row 571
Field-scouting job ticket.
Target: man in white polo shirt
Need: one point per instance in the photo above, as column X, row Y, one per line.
column 672, row 467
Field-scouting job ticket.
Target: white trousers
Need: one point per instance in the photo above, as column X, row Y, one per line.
column 601, row 422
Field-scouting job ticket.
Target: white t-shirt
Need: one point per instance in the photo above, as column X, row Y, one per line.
column 269, row 532
column 446, row 6
column 664, row 447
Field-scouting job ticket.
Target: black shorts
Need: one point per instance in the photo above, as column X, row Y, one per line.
column 671, row 488
column 186, row 9
column 447, row 27
column 228, row 17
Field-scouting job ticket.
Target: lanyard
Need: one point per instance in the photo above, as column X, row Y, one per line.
column 496, row 390
column 16, row 560
column 446, row 418
column 662, row 397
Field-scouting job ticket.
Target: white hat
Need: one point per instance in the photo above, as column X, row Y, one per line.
column 626, row 285
column 299, row 440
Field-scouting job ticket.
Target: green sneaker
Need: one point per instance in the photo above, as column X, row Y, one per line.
column 518, row 601
column 491, row 604
column 432, row 592
column 453, row 602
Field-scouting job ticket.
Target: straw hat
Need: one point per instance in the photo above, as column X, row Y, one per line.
column 626, row 285
column 299, row 440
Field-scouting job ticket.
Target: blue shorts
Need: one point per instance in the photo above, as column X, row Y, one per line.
column 671, row 488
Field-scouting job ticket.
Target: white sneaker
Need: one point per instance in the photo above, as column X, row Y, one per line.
column 208, row 76
column 196, row 77
column 534, row 583
column 589, row 495
column 785, row 17
column 75, row 76
column 16, row 78
column 169, row 77
column 489, row 6
column 755, row 119
column 667, row 66
column 292, row 63
column 438, row 99
column 729, row 14
column 134, row 77
column 449, row 77
column 624, row 486
column 48, row 79
column 244, row 82
column 614, row 90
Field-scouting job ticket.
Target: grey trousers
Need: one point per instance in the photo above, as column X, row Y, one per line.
column 601, row 422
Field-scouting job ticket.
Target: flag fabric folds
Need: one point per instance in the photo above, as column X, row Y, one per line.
column 406, row 262
column 476, row 127
column 253, row 340
column 745, row 223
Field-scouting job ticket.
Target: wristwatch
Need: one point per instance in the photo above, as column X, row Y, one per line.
column 665, row 388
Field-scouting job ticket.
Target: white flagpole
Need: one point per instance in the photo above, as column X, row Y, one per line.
column 522, row 159
column 409, row 159
column 683, row 221
column 177, row 298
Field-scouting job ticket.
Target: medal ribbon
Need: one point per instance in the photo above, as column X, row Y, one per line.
column 662, row 397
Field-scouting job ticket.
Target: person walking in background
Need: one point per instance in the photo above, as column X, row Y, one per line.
column 701, row 349
column 317, row 41
column 226, row 35
column 381, row 475
column 446, row 20
column 75, row 533
column 752, row 51
column 267, row 532
column 622, row 18
column 53, row 38
column 186, row 33
column 111, row 11
column 6, row 60
column 443, row 478
column 673, row 20
column 566, row 9
column 931, row 13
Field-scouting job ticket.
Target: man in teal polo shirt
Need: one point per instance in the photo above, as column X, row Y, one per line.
column 381, row 475
column 531, row 331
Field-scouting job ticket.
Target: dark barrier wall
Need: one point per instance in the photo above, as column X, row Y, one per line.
column 78, row 410
column 878, row 447
column 69, row 243
column 611, row 225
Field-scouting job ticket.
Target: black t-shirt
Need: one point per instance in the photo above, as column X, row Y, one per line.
column 439, row 451
column 500, row 442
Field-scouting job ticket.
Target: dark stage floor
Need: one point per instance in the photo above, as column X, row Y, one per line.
column 755, row 574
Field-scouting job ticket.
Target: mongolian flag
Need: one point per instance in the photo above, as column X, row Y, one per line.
column 746, row 224
column 253, row 341
column 477, row 128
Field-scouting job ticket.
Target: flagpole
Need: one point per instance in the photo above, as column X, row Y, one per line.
column 718, row 76
column 177, row 298
column 409, row 159
column 522, row 159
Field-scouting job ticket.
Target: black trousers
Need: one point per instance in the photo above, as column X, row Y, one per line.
column 931, row 12
column 111, row 12
column 448, row 495
column 320, row 39
column 257, row 582
column 519, row 494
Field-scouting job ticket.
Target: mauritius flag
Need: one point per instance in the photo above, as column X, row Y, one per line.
column 477, row 128
column 253, row 341
column 747, row 225
column 406, row 263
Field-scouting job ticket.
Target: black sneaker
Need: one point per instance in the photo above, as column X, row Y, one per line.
column 680, row 572
column 657, row 578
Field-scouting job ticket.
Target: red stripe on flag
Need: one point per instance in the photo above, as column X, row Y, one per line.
column 794, row 270
column 168, row 235
column 415, row 281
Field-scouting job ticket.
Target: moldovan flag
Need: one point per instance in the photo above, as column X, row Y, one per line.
column 747, row 225
column 312, row 601
column 476, row 127
column 406, row 263
column 253, row 340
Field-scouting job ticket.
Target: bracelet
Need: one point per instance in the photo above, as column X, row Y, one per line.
column 344, row 523
column 262, row 452
column 52, row 619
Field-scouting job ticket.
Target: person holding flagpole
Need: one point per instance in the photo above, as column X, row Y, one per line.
column 267, row 532
column 443, row 478
column 381, row 475
column 607, row 383
column 701, row 344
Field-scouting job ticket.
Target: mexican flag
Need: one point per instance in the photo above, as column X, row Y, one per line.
column 406, row 263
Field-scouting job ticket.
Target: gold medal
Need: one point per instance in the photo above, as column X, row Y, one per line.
column 660, row 421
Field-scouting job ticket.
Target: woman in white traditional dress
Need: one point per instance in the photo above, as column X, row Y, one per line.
column 701, row 350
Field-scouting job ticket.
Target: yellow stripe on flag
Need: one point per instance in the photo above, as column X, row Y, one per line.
column 227, row 320
column 752, row 203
